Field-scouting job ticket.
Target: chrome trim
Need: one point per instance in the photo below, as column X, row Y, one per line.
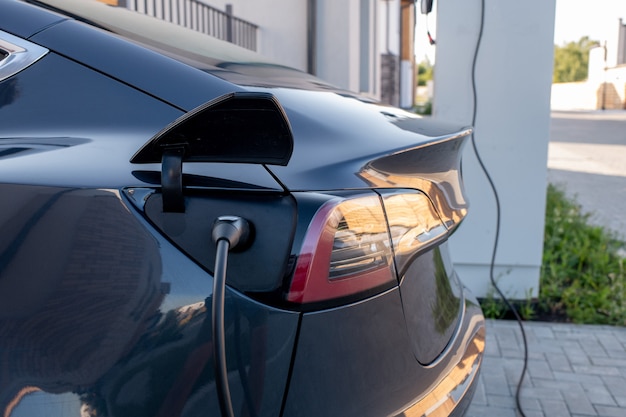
column 20, row 54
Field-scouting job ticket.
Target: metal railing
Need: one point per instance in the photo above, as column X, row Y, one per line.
column 200, row 17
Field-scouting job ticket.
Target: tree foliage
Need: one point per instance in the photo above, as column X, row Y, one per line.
column 424, row 72
column 571, row 61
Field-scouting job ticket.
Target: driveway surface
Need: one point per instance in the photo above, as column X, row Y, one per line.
column 587, row 156
column 573, row 370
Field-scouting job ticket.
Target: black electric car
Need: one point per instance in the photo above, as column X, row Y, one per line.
column 188, row 230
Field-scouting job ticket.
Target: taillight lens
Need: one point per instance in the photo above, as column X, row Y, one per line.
column 346, row 253
column 413, row 223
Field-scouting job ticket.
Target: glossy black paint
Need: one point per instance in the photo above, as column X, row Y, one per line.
column 368, row 342
column 272, row 219
column 61, row 110
column 99, row 312
column 171, row 81
column 24, row 20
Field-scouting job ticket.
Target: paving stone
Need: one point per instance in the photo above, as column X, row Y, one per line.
column 596, row 370
column 577, row 401
column 479, row 395
column 496, row 386
column 482, row 411
column 544, row 393
column 605, row 411
column 534, row 413
column 530, row 404
column 513, row 371
column 505, row 324
column 617, row 363
column 617, row 354
column 592, row 347
column 558, row 362
column 554, row 408
column 610, row 342
column 573, row 371
column 509, row 353
column 505, row 401
column 617, row 388
column 491, row 347
column 621, row 336
column 599, row 394
column 540, row 369
column 572, row 348
column 560, row 385
column 575, row 377
column 544, row 332
column 509, row 339
column 547, row 348
column 578, row 359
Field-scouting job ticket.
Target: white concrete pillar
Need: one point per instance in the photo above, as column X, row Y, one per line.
column 513, row 79
column 338, row 42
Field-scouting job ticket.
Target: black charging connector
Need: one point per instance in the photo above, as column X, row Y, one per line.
column 228, row 233
column 427, row 6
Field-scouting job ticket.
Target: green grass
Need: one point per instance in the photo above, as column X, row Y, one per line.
column 582, row 273
column 583, row 276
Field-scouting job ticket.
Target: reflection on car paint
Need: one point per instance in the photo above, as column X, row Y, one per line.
column 94, row 325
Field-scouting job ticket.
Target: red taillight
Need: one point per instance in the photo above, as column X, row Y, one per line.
column 346, row 252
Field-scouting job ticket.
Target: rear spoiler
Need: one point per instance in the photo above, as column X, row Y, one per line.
column 433, row 167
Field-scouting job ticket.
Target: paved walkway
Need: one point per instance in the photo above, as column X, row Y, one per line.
column 573, row 370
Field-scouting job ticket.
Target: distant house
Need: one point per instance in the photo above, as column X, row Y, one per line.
column 607, row 72
column 365, row 46
column 605, row 87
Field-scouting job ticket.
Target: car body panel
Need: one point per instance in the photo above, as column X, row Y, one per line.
column 371, row 147
column 58, row 110
column 272, row 215
column 171, row 81
column 25, row 20
column 434, row 306
column 119, row 329
column 378, row 130
column 358, row 340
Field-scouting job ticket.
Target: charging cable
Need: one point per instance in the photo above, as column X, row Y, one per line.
column 228, row 233
column 431, row 40
column 498, row 212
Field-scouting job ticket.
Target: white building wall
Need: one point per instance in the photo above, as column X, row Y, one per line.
column 573, row 96
column 282, row 35
column 338, row 42
column 513, row 78
column 389, row 26
column 611, row 42
column 340, row 36
column 369, row 52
